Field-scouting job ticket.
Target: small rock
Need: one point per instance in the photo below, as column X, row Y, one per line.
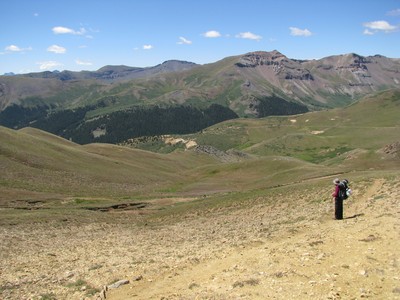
column 138, row 278
column 345, row 266
column 193, row 285
column 117, row 284
column 103, row 295
column 363, row 273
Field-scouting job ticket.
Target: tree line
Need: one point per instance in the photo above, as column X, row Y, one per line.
column 117, row 126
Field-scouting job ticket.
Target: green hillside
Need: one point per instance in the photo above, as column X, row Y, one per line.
column 38, row 164
column 263, row 153
column 325, row 137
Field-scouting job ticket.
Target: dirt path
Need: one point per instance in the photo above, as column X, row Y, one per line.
column 354, row 258
column 281, row 245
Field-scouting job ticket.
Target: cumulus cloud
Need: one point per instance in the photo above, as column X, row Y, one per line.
column 182, row 41
column 46, row 65
column 83, row 63
column 211, row 34
column 66, row 30
column 249, row 36
column 378, row 26
column 56, row 49
column 147, row 47
column 299, row 32
column 14, row 48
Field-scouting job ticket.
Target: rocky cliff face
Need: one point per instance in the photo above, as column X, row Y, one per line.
column 341, row 76
column 282, row 66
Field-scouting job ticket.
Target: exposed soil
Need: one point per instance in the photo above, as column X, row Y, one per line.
column 284, row 247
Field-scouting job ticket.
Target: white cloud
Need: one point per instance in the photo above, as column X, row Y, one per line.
column 182, row 40
column 249, row 36
column 211, row 34
column 147, row 47
column 57, row 49
column 368, row 32
column 46, row 65
column 66, row 30
column 377, row 26
column 299, row 32
column 83, row 63
column 395, row 12
column 14, row 48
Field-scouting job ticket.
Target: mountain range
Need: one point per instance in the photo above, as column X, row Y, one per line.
column 255, row 84
column 242, row 210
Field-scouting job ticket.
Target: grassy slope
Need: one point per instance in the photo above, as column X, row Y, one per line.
column 36, row 161
column 37, row 165
column 317, row 137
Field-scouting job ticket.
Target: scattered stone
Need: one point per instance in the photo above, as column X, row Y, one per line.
column 102, row 295
column 345, row 266
column 363, row 272
column 193, row 285
column 369, row 238
column 315, row 243
column 117, row 284
column 138, row 278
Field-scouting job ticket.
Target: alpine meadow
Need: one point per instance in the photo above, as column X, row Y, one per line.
column 214, row 181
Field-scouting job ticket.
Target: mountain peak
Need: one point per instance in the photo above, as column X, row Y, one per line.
column 174, row 65
column 259, row 58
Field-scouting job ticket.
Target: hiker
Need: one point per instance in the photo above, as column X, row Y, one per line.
column 338, row 200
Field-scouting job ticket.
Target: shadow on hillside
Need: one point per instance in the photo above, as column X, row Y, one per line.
column 354, row 216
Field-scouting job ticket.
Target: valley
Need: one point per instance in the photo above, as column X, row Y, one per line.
column 247, row 213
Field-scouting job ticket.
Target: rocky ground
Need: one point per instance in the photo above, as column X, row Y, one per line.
column 286, row 246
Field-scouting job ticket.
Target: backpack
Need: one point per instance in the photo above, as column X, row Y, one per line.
column 344, row 190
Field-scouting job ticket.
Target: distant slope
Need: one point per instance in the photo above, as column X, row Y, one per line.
column 354, row 135
column 242, row 82
column 116, row 73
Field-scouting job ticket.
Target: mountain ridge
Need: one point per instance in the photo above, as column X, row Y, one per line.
column 253, row 75
column 255, row 84
column 113, row 73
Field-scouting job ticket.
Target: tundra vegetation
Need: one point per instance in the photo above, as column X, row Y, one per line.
column 246, row 211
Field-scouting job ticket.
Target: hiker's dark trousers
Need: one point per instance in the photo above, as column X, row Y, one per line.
column 338, row 208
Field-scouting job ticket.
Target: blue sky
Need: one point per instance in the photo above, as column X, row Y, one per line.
column 40, row 35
